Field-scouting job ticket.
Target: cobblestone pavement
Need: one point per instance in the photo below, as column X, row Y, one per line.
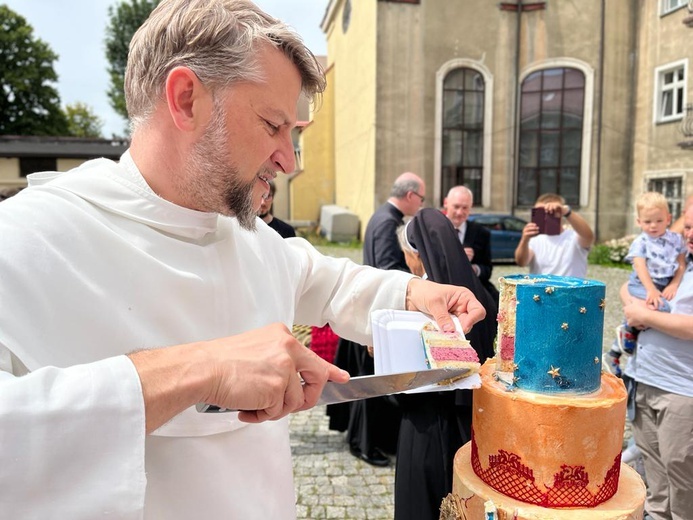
column 331, row 483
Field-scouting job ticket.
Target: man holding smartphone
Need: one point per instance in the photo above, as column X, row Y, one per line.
column 562, row 253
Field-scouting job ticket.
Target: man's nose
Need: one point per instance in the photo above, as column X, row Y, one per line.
column 283, row 159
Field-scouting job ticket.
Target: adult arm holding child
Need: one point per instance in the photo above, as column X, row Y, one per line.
column 639, row 315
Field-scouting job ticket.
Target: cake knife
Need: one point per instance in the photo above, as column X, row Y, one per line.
column 363, row 387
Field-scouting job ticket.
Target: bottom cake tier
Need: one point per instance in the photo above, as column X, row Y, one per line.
column 471, row 495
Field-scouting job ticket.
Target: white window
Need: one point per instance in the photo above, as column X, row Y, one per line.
column 671, row 188
column 671, row 5
column 670, row 91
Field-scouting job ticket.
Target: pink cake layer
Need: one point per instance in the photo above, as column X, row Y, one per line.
column 454, row 354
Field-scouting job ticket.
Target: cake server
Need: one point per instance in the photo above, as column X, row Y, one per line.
column 363, row 387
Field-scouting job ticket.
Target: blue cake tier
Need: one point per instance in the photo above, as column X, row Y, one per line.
column 558, row 329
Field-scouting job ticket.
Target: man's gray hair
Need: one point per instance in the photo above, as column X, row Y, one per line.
column 401, row 188
column 462, row 188
column 216, row 39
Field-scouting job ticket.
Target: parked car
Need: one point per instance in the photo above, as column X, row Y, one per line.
column 506, row 231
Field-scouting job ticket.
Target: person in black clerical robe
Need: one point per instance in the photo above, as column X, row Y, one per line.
column 435, row 425
column 373, row 424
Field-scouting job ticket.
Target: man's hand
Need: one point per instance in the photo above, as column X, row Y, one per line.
column 470, row 253
column 530, row 230
column 439, row 301
column 258, row 372
column 554, row 208
column 636, row 313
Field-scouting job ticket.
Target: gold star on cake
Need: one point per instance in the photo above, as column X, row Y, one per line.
column 536, row 298
column 555, row 372
column 602, row 304
column 583, row 310
column 548, row 290
column 564, row 326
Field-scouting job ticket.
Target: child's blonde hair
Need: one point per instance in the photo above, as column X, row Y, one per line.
column 651, row 199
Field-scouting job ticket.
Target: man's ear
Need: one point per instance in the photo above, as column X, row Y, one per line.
column 189, row 102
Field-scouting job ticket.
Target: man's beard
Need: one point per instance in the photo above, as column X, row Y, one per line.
column 213, row 182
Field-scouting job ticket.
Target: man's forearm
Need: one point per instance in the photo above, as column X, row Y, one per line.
column 582, row 228
column 676, row 325
column 522, row 253
column 173, row 379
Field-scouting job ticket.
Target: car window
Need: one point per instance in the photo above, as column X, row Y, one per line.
column 514, row 224
column 488, row 221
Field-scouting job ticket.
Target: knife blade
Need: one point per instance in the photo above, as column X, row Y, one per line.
column 364, row 387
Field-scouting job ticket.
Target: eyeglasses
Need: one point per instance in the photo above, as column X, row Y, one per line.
column 420, row 196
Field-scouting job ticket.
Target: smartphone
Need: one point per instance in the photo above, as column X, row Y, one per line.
column 548, row 224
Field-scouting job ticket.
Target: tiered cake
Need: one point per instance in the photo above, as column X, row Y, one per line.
column 547, row 423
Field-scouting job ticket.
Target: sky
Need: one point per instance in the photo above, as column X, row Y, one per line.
column 75, row 30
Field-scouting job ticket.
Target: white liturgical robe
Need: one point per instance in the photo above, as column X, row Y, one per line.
column 94, row 265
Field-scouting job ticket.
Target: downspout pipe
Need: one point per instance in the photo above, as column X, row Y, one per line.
column 516, row 123
column 600, row 110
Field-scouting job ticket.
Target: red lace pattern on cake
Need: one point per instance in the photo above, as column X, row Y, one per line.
column 508, row 475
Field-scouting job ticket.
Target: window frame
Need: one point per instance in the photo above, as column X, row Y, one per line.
column 36, row 163
column 665, row 9
column 487, row 131
column 544, row 135
column 587, row 130
column 655, row 182
column 677, row 86
column 465, row 131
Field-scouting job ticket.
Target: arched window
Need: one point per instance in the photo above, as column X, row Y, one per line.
column 551, row 131
column 462, row 158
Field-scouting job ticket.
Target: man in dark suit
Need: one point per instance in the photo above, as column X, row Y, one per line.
column 265, row 213
column 373, row 424
column 380, row 246
column 475, row 238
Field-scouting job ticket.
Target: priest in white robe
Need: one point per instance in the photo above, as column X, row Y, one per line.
column 161, row 249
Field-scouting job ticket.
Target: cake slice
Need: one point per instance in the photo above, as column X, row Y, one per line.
column 448, row 349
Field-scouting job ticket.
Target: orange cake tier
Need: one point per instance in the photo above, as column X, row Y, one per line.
column 471, row 495
column 549, row 450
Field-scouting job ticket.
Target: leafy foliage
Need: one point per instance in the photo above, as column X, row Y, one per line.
column 82, row 122
column 612, row 252
column 29, row 100
column 124, row 19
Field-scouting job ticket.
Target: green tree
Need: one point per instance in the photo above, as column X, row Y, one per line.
column 29, row 100
column 82, row 122
column 124, row 19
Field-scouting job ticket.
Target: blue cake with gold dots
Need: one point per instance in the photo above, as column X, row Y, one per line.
column 550, row 332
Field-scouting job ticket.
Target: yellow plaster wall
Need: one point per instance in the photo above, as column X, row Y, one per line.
column 353, row 58
column 314, row 186
column 9, row 171
column 67, row 164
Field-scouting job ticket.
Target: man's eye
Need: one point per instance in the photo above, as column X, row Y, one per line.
column 272, row 127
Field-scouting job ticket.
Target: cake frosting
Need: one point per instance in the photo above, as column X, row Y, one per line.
column 547, row 423
column 470, row 495
column 548, row 450
column 550, row 333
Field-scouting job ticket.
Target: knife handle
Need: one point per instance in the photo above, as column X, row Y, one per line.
column 210, row 408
